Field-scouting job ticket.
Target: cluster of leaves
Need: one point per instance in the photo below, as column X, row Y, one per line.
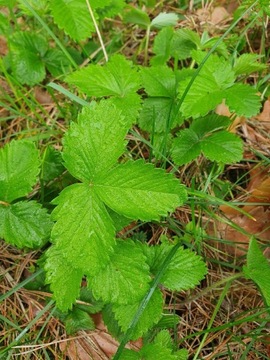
column 22, row 223
column 111, row 191
column 83, row 236
column 31, row 54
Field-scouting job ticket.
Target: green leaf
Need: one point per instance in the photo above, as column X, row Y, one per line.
column 40, row 6
column 150, row 351
column 4, row 24
column 84, row 230
column 63, row 277
column 56, row 62
column 164, row 338
column 19, row 167
column 111, row 9
column 118, row 77
column 243, row 100
column 208, row 124
column 223, row 147
column 183, row 42
column 258, row 269
column 185, row 270
column 129, row 355
column 247, row 64
column 119, row 221
column 126, row 277
column 27, row 51
column 91, row 305
column 156, row 113
column 150, row 316
column 52, row 164
column 159, row 81
column 162, row 46
column 73, row 17
column 128, row 187
column 207, row 91
column 78, row 320
column 95, row 143
column 138, row 17
column 25, row 224
column 186, row 147
column 202, row 97
column 130, row 106
column 164, row 19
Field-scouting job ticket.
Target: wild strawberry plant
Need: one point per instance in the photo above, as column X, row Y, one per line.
column 84, row 240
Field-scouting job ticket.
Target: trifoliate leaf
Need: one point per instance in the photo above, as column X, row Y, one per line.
column 19, row 167
column 164, row 19
column 27, row 51
column 258, row 269
column 128, row 187
column 95, row 143
column 243, row 100
column 137, row 17
column 159, row 81
column 185, row 271
column 25, row 224
column 63, row 277
column 208, row 124
column 84, row 230
column 124, row 314
column 186, row 147
column 77, row 320
column 162, row 46
column 73, row 17
column 118, row 77
column 183, row 42
column 247, row 64
column 116, row 282
column 223, row 147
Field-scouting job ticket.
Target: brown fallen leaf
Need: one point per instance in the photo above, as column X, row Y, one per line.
column 219, row 15
column 257, row 226
column 95, row 345
column 264, row 116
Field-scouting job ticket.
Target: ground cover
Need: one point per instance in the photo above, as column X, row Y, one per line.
column 134, row 180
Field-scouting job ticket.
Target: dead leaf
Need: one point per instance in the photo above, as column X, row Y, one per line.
column 96, row 345
column 42, row 96
column 257, row 226
column 265, row 114
column 219, row 15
